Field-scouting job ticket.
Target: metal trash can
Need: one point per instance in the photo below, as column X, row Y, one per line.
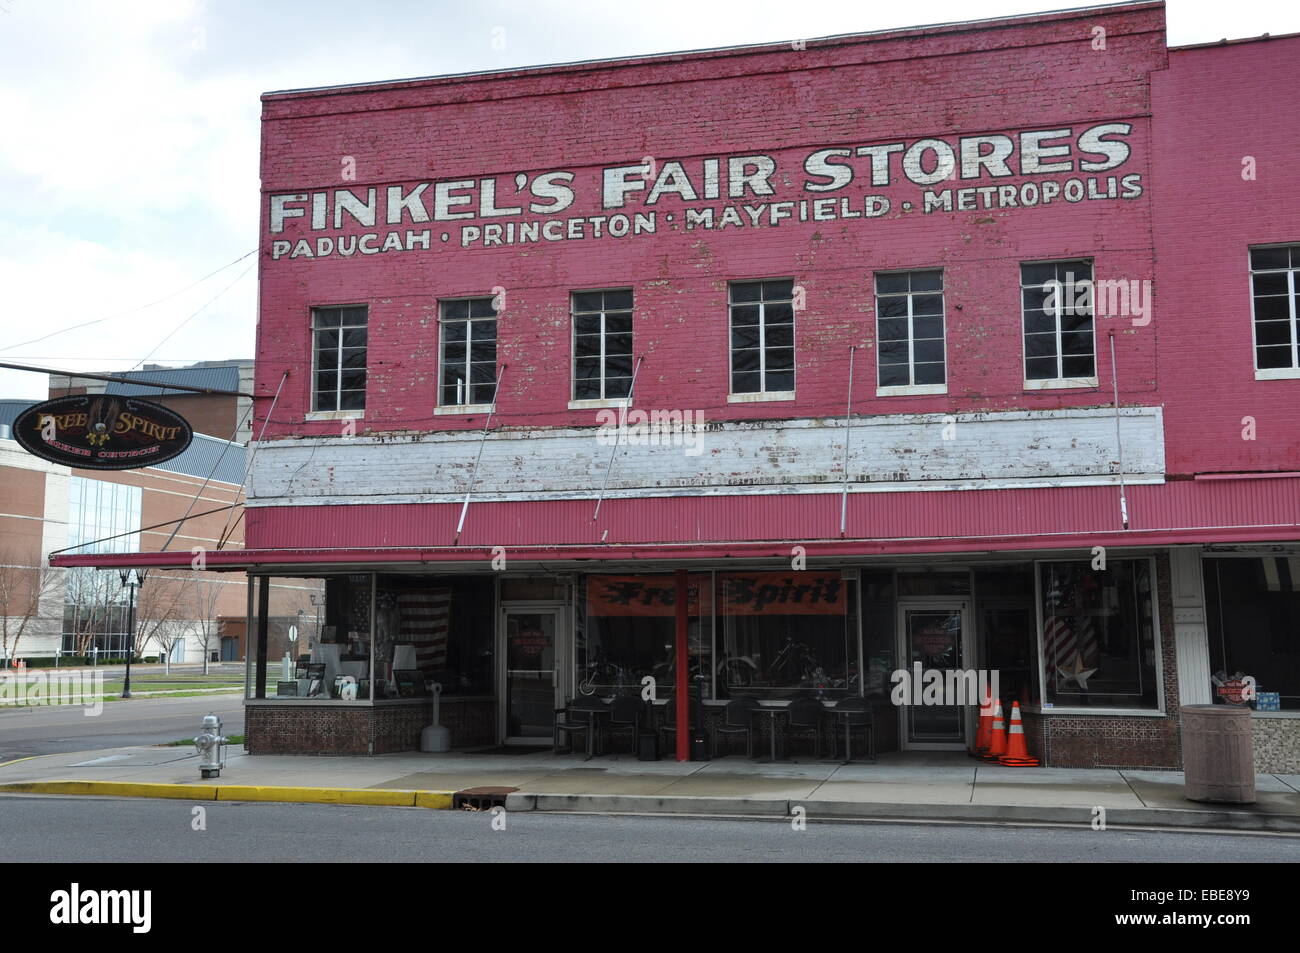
column 1218, row 754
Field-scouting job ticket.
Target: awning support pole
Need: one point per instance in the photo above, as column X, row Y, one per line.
column 473, row 477
column 682, row 682
column 848, row 431
column 263, row 611
column 1119, row 443
column 618, row 433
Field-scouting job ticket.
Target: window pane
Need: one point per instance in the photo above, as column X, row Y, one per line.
column 481, row 308
column 780, row 335
column 352, row 400
column 482, row 330
column 326, row 318
column 1040, row 345
column 893, row 375
column 587, row 301
column 618, row 344
column 485, row 351
column 893, row 329
column 615, row 300
column 890, row 284
column 893, row 352
column 1271, row 357
column 482, row 373
column 1078, row 367
column 1040, row 368
column 455, row 309
column 745, row 314
column 354, row 357
column 617, row 386
column 327, row 359
column 586, row 388
column 585, row 345
column 618, row 322
column 354, row 337
column 620, row 366
column 746, row 291
column 927, row 304
column 354, row 316
column 455, row 330
column 781, row 381
column 586, row 368
column 778, row 313
column 1076, row 343
column 353, row 380
column 927, row 281
column 1270, row 284
column 1077, row 322
column 329, row 339
column 780, row 359
column 482, row 393
column 1272, row 332
column 745, row 383
column 745, row 360
column 1273, row 308
column 778, row 290
column 744, row 336
column 1268, row 258
column 586, row 324
column 928, row 351
column 453, row 353
column 1037, row 274
column 930, row 374
column 894, row 307
column 928, row 326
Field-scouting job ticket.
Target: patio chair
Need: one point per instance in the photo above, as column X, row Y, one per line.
column 667, row 726
column 625, row 716
column 859, row 718
column 804, row 717
column 576, row 718
column 737, row 719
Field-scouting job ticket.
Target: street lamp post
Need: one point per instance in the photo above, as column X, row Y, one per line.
column 132, row 579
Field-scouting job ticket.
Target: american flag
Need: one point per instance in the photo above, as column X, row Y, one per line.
column 426, row 615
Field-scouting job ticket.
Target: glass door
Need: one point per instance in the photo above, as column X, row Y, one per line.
column 528, row 688
column 935, row 636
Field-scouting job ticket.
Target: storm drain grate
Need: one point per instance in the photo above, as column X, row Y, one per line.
column 480, row 799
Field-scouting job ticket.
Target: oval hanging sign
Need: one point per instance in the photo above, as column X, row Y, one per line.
column 102, row 432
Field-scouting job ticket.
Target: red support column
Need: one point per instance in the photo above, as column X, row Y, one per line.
column 682, row 684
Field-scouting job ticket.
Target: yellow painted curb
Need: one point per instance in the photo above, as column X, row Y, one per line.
column 186, row 792
column 297, row 795
column 382, row 797
column 435, row 800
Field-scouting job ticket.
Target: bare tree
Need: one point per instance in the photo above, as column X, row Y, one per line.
column 202, row 622
column 22, row 589
column 160, row 613
column 94, row 599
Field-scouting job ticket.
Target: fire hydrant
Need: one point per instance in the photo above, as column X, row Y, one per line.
column 212, row 747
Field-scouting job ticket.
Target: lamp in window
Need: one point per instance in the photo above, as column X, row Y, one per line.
column 132, row 579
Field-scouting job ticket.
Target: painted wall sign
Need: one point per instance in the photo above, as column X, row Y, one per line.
column 941, row 174
column 102, row 432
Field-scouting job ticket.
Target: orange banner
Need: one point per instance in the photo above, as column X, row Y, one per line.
column 762, row 593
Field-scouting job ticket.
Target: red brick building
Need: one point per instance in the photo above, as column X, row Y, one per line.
column 972, row 347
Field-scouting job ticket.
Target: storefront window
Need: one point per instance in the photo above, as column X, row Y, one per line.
column 1253, row 616
column 879, row 621
column 1098, row 640
column 1005, row 620
column 628, row 631
column 439, row 626
column 782, row 635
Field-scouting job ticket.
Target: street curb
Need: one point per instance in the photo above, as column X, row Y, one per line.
column 434, row 800
column 859, row 810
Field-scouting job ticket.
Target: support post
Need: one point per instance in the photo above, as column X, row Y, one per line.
column 680, row 698
column 263, row 623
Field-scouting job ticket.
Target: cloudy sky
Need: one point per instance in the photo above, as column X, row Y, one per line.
column 128, row 162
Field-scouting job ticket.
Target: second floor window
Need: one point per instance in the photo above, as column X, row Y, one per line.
column 339, row 358
column 468, row 369
column 602, row 345
column 1275, row 294
column 909, row 331
column 1058, row 330
column 762, row 336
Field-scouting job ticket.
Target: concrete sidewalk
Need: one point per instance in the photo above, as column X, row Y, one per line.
column 939, row 786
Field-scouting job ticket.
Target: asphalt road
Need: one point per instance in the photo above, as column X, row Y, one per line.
column 137, row 721
column 124, row 830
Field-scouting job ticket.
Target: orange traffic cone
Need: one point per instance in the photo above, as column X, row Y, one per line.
column 984, row 735
column 998, row 744
column 1017, row 755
